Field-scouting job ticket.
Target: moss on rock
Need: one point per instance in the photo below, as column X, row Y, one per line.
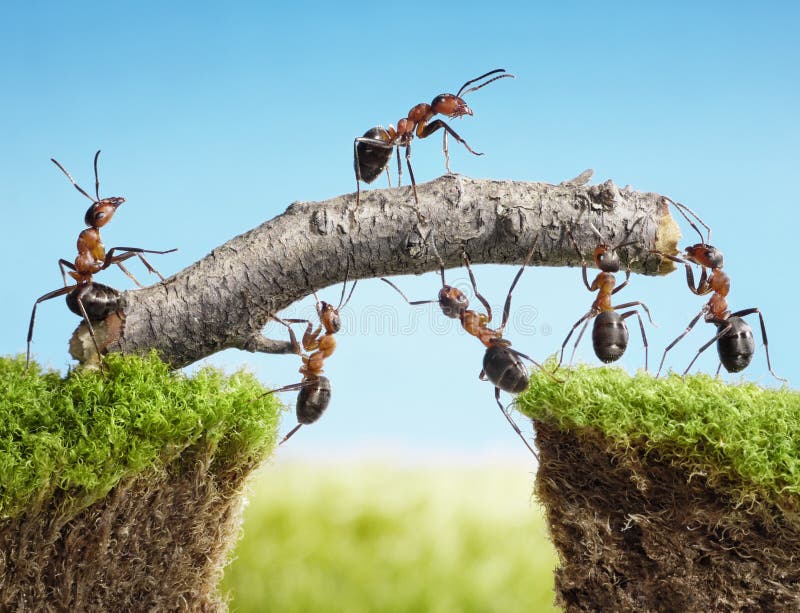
column 672, row 494
column 123, row 492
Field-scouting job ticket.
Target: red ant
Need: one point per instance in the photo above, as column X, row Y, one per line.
column 734, row 338
column 372, row 151
column 315, row 388
column 609, row 333
column 87, row 299
column 502, row 365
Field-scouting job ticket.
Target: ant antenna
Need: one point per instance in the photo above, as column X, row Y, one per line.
column 462, row 92
column 96, row 176
column 682, row 209
column 69, row 176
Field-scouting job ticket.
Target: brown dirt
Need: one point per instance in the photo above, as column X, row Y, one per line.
column 158, row 542
column 634, row 533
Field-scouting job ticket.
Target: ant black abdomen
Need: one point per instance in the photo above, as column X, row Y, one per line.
column 98, row 300
column 737, row 346
column 504, row 368
column 609, row 336
column 313, row 398
column 370, row 159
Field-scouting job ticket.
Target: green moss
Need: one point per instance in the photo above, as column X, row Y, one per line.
column 743, row 437
column 76, row 437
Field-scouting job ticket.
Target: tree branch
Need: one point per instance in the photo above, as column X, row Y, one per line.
column 225, row 299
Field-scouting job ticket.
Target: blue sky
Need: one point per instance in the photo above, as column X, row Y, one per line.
column 213, row 120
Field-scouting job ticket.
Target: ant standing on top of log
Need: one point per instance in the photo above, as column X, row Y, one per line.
column 609, row 333
column 86, row 298
column 502, row 365
column 315, row 388
column 734, row 338
column 371, row 152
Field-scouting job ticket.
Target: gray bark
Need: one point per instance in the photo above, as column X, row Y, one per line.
column 225, row 299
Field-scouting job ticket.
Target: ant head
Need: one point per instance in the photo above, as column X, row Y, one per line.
column 705, row 255
column 606, row 258
column 101, row 212
column 450, row 105
column 329, row 317
column 452, row 301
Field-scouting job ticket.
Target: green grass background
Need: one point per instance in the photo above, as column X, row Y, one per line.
column 358, row 537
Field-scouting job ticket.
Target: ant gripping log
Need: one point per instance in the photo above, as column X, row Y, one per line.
column 373, row 150
column 315, row 388
column 609, row 333
column 502, row 365
column 90, row 300
column 734, row 338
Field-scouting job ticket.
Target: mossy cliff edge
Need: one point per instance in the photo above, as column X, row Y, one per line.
column 123, row 492
column 677, row 494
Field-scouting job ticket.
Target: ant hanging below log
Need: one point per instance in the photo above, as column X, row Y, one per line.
column 502, row 365
column 86, row 298
column 315, row 388
column 734, row 338
column 373, row 150
column 609, row 332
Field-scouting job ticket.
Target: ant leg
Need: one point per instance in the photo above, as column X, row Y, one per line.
column 64, row 263
column 399, row 168
column 129, row 253
column 507, row 306
column 577, row 341
column 439, row 124
column 583, row 262
column 718, row 336
column 293, row 339
column 54, row 294
column 410, row 302
column 446, row 154
column 702, row 288
column 535, row 363
column 411, row 173
column 744, row 313
column 91, row 331
column 566, row 340
column 641, row 327
column 624, row 283
column 675, row 342
column 289, row 435
column 636, row 303
column 719, row 368
column 357, row 168
column 478, row 295
column 513, row 424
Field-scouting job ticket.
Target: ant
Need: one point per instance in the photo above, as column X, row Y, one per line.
column 502, row 365
column 609, row 332
column 315, row 388
column 86, row 298
column 372, row 151
column 734, row 338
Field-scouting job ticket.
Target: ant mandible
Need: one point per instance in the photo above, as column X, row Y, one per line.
column 373, row 150
column 315, row 388
column 86, row 298
column 734, row 338
column 609, row 332
column 502, row 365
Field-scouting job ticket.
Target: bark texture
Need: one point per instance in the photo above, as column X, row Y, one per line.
column 225, row 299
column 634, row 533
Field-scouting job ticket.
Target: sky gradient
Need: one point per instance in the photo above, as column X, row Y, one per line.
column 212, row 121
